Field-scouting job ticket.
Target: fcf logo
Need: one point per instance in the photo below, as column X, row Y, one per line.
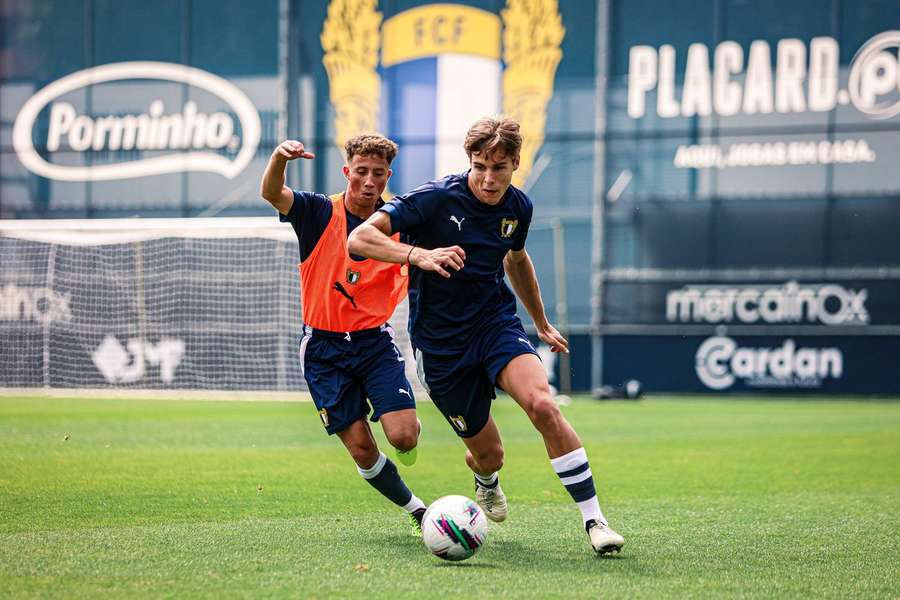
column 432, row 56
column 507, row 227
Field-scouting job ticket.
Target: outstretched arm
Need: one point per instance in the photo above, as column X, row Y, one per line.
column 372, row 239
column 272, row 187
column 521, row 274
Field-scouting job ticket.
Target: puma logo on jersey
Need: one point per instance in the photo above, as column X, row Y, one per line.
column 402, row 391
column 526, row 342
column 458, row 222
column 343, row 292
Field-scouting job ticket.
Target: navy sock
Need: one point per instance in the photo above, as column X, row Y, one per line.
column 383, row 476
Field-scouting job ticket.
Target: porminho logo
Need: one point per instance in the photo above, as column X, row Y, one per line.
column 193, row 137
column 720, row 362
column 804, row 79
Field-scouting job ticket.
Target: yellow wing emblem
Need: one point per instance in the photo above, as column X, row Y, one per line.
column 351, row 39
column 532, row 35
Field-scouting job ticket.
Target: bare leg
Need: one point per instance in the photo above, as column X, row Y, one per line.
column 376, row 468
column 401, row 428
column 360, row 443
column 525, row 380
column 485, row 450
column 485, row 457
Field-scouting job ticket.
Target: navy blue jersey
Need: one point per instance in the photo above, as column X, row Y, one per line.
column 445, row 314
column 309, row 216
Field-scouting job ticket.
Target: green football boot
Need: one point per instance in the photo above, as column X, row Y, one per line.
column 415, row 519
column 409, row 457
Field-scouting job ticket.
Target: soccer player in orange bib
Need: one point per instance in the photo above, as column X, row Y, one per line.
column 347, row 352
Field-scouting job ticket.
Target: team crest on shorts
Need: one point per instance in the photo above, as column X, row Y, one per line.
column 459, row 422
column 353, row 276
column 507, row 227
column 323, row 414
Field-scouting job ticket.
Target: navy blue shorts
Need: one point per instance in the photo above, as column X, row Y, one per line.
column 343, row 370
column 462, row 385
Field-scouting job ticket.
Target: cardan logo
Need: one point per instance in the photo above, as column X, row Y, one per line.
column 193, row 138
column 720, row 362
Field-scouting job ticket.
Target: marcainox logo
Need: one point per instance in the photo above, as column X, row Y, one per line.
column 39, row 304
column 192, row 136
column 826, row 303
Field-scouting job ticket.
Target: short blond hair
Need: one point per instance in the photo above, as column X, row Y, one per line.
column 371, row 144
column 489, row 134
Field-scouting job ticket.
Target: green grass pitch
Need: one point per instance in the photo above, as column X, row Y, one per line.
column 745, row 497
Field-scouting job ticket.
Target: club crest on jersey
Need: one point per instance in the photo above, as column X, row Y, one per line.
column 507, row 227
column 459, row 422
column 353, row 276
column 509, row 60
column 323, row 414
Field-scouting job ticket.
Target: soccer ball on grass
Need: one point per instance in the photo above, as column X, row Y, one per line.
column 454, row 527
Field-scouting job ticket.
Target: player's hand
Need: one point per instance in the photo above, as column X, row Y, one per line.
column 438, row 260
column 291, row 149
column 550, row 336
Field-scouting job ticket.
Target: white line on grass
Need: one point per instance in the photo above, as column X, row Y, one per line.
column 116, row 393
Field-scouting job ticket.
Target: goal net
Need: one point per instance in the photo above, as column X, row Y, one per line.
column 209, row 304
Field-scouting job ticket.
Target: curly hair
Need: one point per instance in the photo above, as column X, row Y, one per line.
column 490, row 134
column 371, row 145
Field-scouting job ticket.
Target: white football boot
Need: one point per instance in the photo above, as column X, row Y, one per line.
column 603, row 539
column 492, row 501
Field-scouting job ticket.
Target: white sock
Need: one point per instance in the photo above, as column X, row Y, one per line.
column 414, row 504
column 574, row 472
column 489, row 481
column 590, row 509
column 375, row 469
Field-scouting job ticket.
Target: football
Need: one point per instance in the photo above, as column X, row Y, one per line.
column 454, row 527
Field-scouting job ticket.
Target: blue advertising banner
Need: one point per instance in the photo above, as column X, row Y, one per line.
column 771, row 364
column 770, row 303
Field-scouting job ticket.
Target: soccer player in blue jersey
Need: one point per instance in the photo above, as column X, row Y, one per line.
column 466, row 230
column 347, row 353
